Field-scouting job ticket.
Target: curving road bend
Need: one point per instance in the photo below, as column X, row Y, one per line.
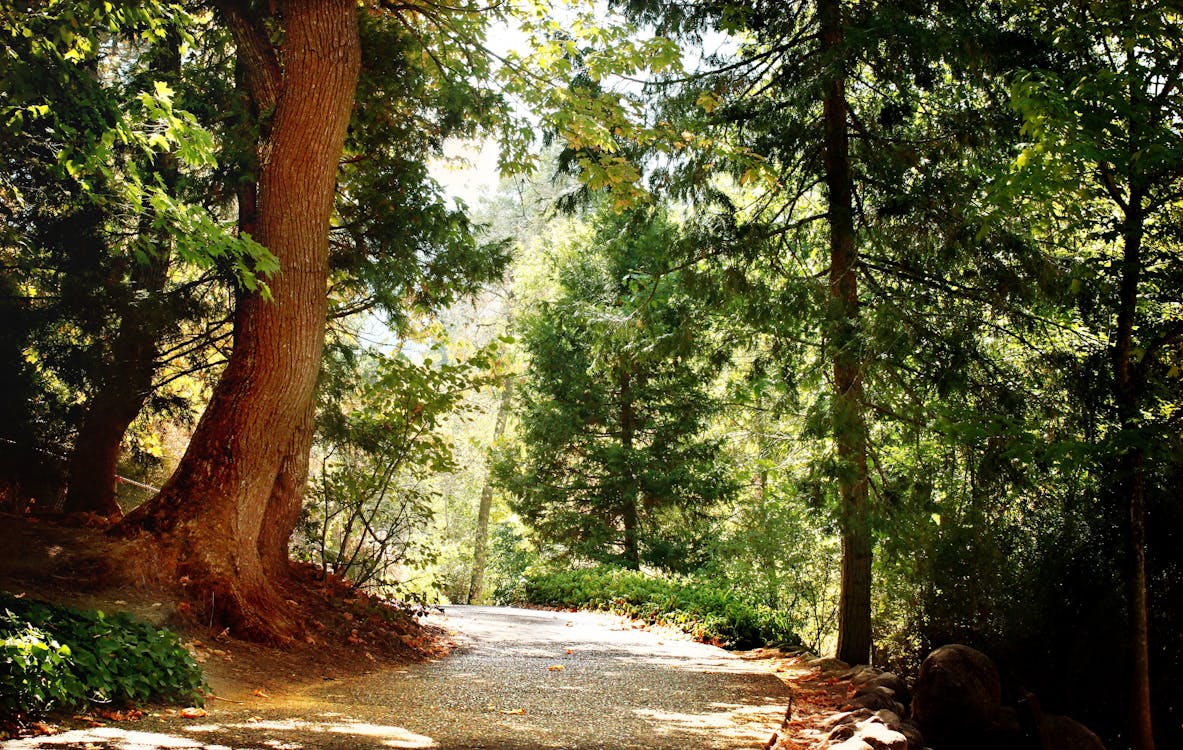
column 522, row 679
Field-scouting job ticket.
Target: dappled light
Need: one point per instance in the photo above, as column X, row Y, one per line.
column 281, row 734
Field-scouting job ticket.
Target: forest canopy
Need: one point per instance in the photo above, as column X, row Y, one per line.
column 864, row 317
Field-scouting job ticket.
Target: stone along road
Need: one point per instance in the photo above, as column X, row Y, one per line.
column 522, row 679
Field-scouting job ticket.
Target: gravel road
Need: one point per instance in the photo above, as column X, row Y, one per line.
column 520, row 679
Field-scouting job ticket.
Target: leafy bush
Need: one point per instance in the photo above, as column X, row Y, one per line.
column 58, row 658
column 707, row 613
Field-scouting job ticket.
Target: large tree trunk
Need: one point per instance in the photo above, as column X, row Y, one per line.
column 480, row 542
column 1127, row 394
column 854, row 612
column 232, row 503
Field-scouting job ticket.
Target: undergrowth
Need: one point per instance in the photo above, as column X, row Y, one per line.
column 55, row 657
column 705, row 612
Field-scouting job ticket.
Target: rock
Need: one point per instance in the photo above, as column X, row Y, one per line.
column 854, row 743
column 874, row 702
column 879, row 690
column 1063, row 733
column 956, row 697
column 894, row 682
column 842, row 732
column 828, row 665
column 889, row 718
column 847, row 717
column 912, row 732
column 881, row 737
column 860, row 675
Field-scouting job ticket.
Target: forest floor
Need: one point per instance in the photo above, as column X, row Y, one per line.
column 471, row 677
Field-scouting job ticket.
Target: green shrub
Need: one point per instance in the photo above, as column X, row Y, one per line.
column 706, row 612
column 58, row 658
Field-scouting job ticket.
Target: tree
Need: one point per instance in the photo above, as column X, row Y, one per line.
column 96, row 139
column 248, row 459
column 1104, row 137
column 480, row 542
column 613, row 464
column 395, row 246
column 795, row 70
column 145, row 313
column 379, row 441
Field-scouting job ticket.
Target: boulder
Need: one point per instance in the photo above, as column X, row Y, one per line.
column 894, row 682
column 881, row 737
column 912, row 732
column 956, row 697
column 1063, row 733
column 888, row 717
column 842, row 732
column 860, row 675
column 827, row 665
column 874, row 702
column 854, row 743
column 847, row 717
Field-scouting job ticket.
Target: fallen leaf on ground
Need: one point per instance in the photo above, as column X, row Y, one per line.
column 261, row 694
column 40, row 727
column 192, row 713
column 513, row 711
column 555, row 668
column 569, row 651
column 130, row 714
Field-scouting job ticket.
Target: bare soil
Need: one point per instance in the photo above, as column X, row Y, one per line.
column 73, row 562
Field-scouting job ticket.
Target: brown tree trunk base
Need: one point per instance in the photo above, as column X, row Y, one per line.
column 250, row 608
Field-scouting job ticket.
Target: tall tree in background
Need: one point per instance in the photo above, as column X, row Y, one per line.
column 614, row 465
column 846, row 350
column 784, row 104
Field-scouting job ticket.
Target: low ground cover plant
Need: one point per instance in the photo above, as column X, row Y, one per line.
column 698, row 608
column 54, row 657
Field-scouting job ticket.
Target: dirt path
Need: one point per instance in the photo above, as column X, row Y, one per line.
column 519, row 679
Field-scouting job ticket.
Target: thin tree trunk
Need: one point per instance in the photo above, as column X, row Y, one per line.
column 243, row 463
column 1127, row 393
column 854, row 618
column 480, row 542
column 629, row 511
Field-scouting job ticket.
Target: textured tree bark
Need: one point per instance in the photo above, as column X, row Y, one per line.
column 232, row 503
column 480, row 542
column 854, row 611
